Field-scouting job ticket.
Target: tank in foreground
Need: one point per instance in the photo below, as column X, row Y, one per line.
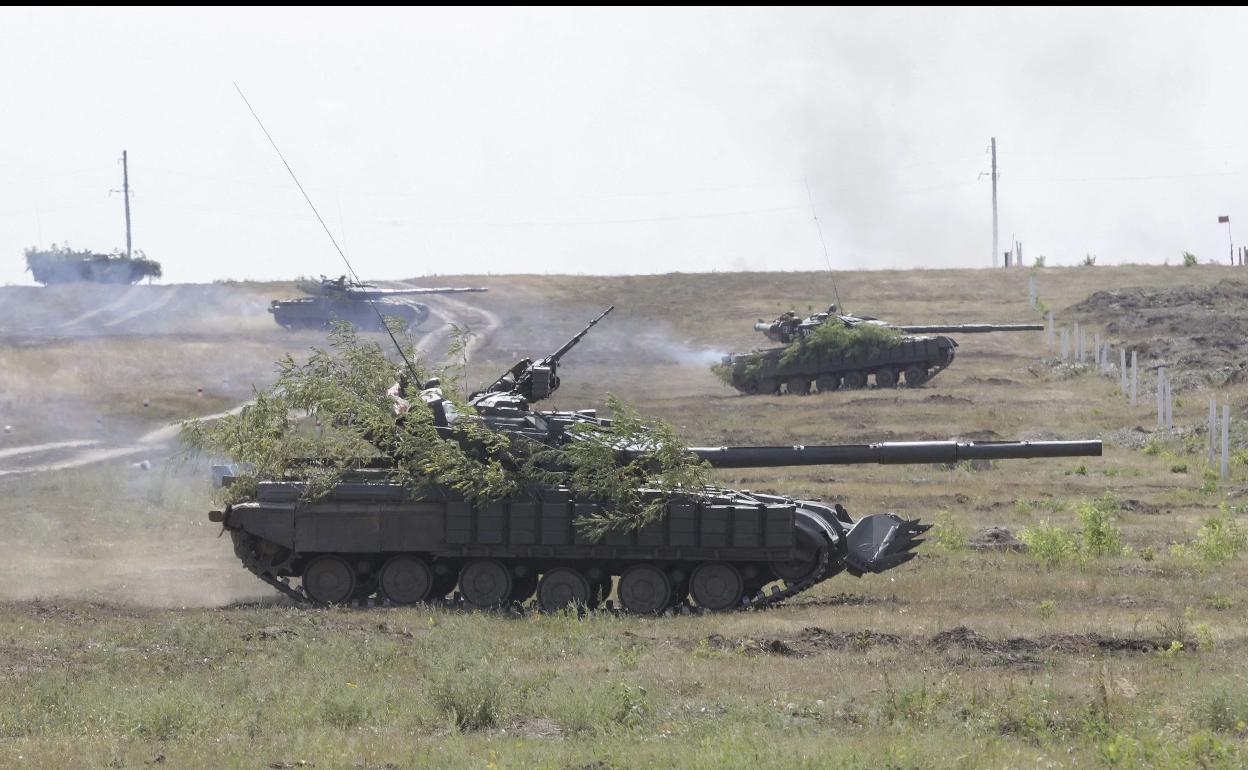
column 717, row 549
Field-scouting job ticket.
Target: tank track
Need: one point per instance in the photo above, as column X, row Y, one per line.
column 244, row 547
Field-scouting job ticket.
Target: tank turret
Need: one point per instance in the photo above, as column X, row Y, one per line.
column 712, row 548
column 363, row 305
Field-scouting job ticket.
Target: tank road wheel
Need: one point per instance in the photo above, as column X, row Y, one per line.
column 798, row 386
column 328, row 579
column 716, row 586
column 916, row 375
column 563, row 587
column 406, row 580
column 886, row 378
column 826, row 383
column 485, row 584
column 644, row 589
column 854, row 381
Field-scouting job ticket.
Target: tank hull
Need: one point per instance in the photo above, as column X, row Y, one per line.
column 98, row 268
column 913, row 362
column 755, row 540
column 322, row 312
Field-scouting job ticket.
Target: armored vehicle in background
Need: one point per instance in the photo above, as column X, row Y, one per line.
column 715, row 548
column 360, row 304
column 882, row 351
column 61, row 264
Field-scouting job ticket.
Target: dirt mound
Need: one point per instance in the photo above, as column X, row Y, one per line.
column 996, row 539
column 814, row 640
column 1199, row 333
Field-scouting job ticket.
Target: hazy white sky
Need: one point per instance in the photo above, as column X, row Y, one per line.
column 584, row 141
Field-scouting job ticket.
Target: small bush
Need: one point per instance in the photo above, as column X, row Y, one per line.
column 346, row 710
column 1038, row 261
column 1189, row 259
column 1046, row 608
column 1099, row 536
column 471, row 699
column 1089, row 260
column 1050, row 544
column 1222, row 710
column 948, row 533
column 1219, row 539
column 600, row 707
column 1178, row 468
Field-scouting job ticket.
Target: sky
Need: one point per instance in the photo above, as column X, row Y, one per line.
column 620, row 141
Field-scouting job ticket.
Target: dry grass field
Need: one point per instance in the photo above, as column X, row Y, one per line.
column 131, row 637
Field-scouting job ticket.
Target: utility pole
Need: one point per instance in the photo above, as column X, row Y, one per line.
column 125, row 191
column 994, row 201
column 1226, row 220
column 995, row 243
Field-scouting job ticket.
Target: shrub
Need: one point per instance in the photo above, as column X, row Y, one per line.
column 948, row 533
column 1050, row 544
column 1189, row 259
column 1219, row 539
column 1099, row 536
column 470, row 698
column 1089, row 260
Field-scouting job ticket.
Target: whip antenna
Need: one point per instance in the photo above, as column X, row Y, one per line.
column 381, row 319
column 827, row 259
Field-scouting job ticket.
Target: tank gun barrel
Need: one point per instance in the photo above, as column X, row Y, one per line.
column 536, row 381
column 553, row 358
column 762, row 326
column 428, row 290
column 893, row 453
column 970, row 328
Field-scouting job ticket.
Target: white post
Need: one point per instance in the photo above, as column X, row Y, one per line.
column 1078, row 343
column 1031, row 290
column 1169, row 404
column 1096, row 349
column 1135, row 378
column 1049, row 331
column 1065, row 344
column 1213, row 429
column 1122, row 370
column 1161, row 397
column 1226, row 440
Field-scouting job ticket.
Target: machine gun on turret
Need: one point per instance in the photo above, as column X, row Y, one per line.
column 536, row 381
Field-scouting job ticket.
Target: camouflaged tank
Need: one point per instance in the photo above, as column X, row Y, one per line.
column 913, row 356
column 721, row 549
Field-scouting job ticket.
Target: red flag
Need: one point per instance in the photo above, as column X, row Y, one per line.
column 1224, row 220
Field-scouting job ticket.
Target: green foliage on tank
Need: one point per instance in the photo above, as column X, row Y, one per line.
column 837, row 340
column 62, row 264
column 331, row 414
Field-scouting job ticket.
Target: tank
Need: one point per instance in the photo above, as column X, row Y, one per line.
column 360, row 304
column 370, row 540
column 912, row 358
column 61, row 264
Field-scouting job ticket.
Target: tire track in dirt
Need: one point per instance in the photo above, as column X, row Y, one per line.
column 92, row 453
column 120, row 302
column 164, row 299
column 452, row 312
column 42, row 448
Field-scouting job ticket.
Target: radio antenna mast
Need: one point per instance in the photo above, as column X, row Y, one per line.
column 827, row 259
column 325, row 227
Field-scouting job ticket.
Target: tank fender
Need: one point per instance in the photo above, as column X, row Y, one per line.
column 274, row 522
